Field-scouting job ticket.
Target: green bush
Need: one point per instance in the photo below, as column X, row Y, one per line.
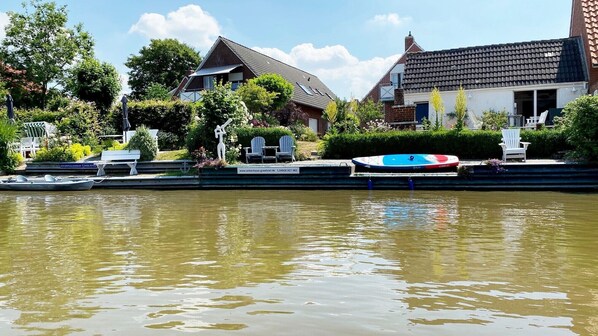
column 195, row 136
column 168, row 141
column 143, row 141
column 63, row 153
column 579, row 123
column 81, row 122
column 9, row 160
column 494, row 120
column 302, row 132
column 465, row 144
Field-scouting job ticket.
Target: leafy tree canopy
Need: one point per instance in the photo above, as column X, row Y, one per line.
column 95, row 82
column 277, row 84
column 215, row 108
column 368, row 110
column 256, row 98
column 39, row 41
column 156, row 91
column 163, row 62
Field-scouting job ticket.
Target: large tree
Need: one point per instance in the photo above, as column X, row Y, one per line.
column 95, row 82
column 277, row 84
column 163, row 62
column 39, row 42
column 257, row 99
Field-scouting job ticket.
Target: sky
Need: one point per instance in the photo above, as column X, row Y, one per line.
column 348, row 44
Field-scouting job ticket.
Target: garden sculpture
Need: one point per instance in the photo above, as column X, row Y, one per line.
column 219, row 133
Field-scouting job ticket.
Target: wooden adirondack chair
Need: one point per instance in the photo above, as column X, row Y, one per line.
column 286, row 148
column 256, row 149
column 512, row 146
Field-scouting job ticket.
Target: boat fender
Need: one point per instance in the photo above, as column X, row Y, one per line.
column 410, row 183
column 370, row 184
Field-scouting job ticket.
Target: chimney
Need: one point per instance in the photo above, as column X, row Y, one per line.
column 409, row 40
column 189, row 72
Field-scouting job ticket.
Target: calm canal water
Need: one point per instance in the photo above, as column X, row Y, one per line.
column 298, row 263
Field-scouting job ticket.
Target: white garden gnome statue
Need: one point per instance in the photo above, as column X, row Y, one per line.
column 219, row 133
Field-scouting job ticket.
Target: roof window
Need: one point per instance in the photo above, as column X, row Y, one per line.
column 306, row 89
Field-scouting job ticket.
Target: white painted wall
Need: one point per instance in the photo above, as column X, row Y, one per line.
column 497, row 99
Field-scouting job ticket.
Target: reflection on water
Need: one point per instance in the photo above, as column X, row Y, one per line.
column 320, row 262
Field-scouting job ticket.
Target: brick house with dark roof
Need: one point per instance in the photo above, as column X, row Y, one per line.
column 523, row 79
column 383, row 90
column 584, row 23
column 228, row 61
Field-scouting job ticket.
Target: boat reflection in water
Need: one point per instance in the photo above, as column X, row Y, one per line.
column 320, row 262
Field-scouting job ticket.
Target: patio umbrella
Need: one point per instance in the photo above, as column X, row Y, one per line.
column 126, row 124
column 10, row 112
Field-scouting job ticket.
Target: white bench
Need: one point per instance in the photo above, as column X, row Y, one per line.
column 111, row 157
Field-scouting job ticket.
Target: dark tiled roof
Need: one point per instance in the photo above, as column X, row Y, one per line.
column 261, row 64
column 500, row 65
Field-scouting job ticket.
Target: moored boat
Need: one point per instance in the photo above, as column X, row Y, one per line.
column 47, row 183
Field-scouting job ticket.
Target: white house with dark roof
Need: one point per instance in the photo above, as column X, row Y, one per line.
column 228, row 61
column 524, row 79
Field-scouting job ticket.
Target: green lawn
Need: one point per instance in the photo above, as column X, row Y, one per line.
column 180, row 154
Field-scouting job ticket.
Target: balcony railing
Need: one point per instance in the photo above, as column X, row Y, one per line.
column 191, row 96
column 387, row 92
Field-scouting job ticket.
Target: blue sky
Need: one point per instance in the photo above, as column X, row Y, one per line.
column 348, row 44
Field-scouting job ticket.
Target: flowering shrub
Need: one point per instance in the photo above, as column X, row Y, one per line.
column 203, row 160
column 376, row 126
column 62, row 153
column 496, row 165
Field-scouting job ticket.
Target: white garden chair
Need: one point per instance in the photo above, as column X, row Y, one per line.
column 512, row 146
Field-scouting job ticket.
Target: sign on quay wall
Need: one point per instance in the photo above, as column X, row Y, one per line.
column 267, row 170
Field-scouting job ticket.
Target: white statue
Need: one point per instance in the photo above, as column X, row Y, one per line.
column 219, row 133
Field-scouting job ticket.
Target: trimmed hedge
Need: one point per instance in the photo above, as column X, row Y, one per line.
column 465, row 144
column 166, row 116
column 270, row 134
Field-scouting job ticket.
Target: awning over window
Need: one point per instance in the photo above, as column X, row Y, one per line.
column 216, row 70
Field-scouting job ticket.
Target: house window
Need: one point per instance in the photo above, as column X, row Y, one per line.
column 395, row 79
column 235, row 85
column 313, row 124
column 208, row 82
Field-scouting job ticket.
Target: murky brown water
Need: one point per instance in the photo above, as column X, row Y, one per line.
column 298, row 263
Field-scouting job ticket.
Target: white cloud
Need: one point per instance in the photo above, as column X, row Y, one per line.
column 3, row 24
column 346, row 75
column 189, row 24
column 390, row 19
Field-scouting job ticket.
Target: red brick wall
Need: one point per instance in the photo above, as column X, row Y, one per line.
column 578, row 28
column 399, row 97
column 315, row 113
column 401, row 114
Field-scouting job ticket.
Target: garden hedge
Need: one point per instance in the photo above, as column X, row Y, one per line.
column 166, row 116
column 465, row 144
